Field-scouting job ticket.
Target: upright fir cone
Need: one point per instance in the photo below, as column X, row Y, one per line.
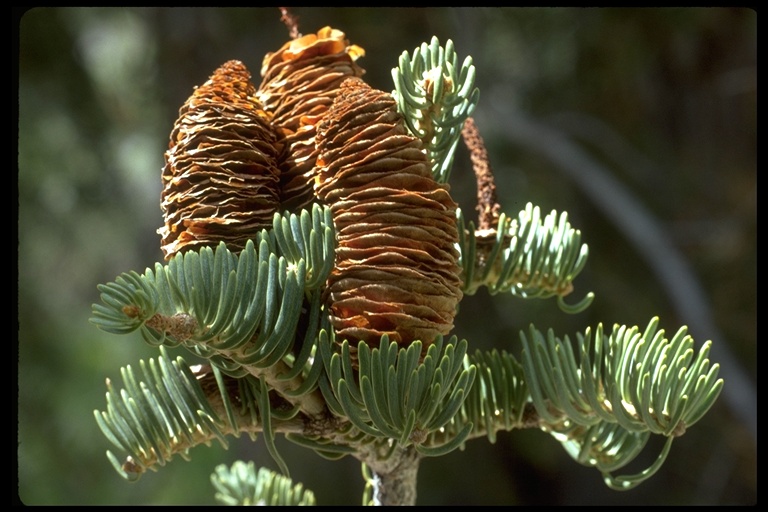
column 299, row 82
column 396, row 270
column 220, row 180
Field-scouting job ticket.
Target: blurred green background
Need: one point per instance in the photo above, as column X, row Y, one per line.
column 658, row 105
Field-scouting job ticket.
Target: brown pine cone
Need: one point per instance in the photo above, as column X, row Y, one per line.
column 220, row 180
column 397, row 270
column 299, row 83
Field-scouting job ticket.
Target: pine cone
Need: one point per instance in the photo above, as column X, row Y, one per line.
column 299, row 83
column 397, row 270
column 220, row 180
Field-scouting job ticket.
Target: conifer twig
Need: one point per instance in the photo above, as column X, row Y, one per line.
column 182, row 326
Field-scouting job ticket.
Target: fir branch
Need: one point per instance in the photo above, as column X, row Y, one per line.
column 241, row 312
column 396, row 395
column 171, row 408
column 604, row 403
column 241, row 484
column 435, row 96
column 529, row 257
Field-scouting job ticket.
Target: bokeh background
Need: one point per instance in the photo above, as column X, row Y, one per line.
column 640, row 123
